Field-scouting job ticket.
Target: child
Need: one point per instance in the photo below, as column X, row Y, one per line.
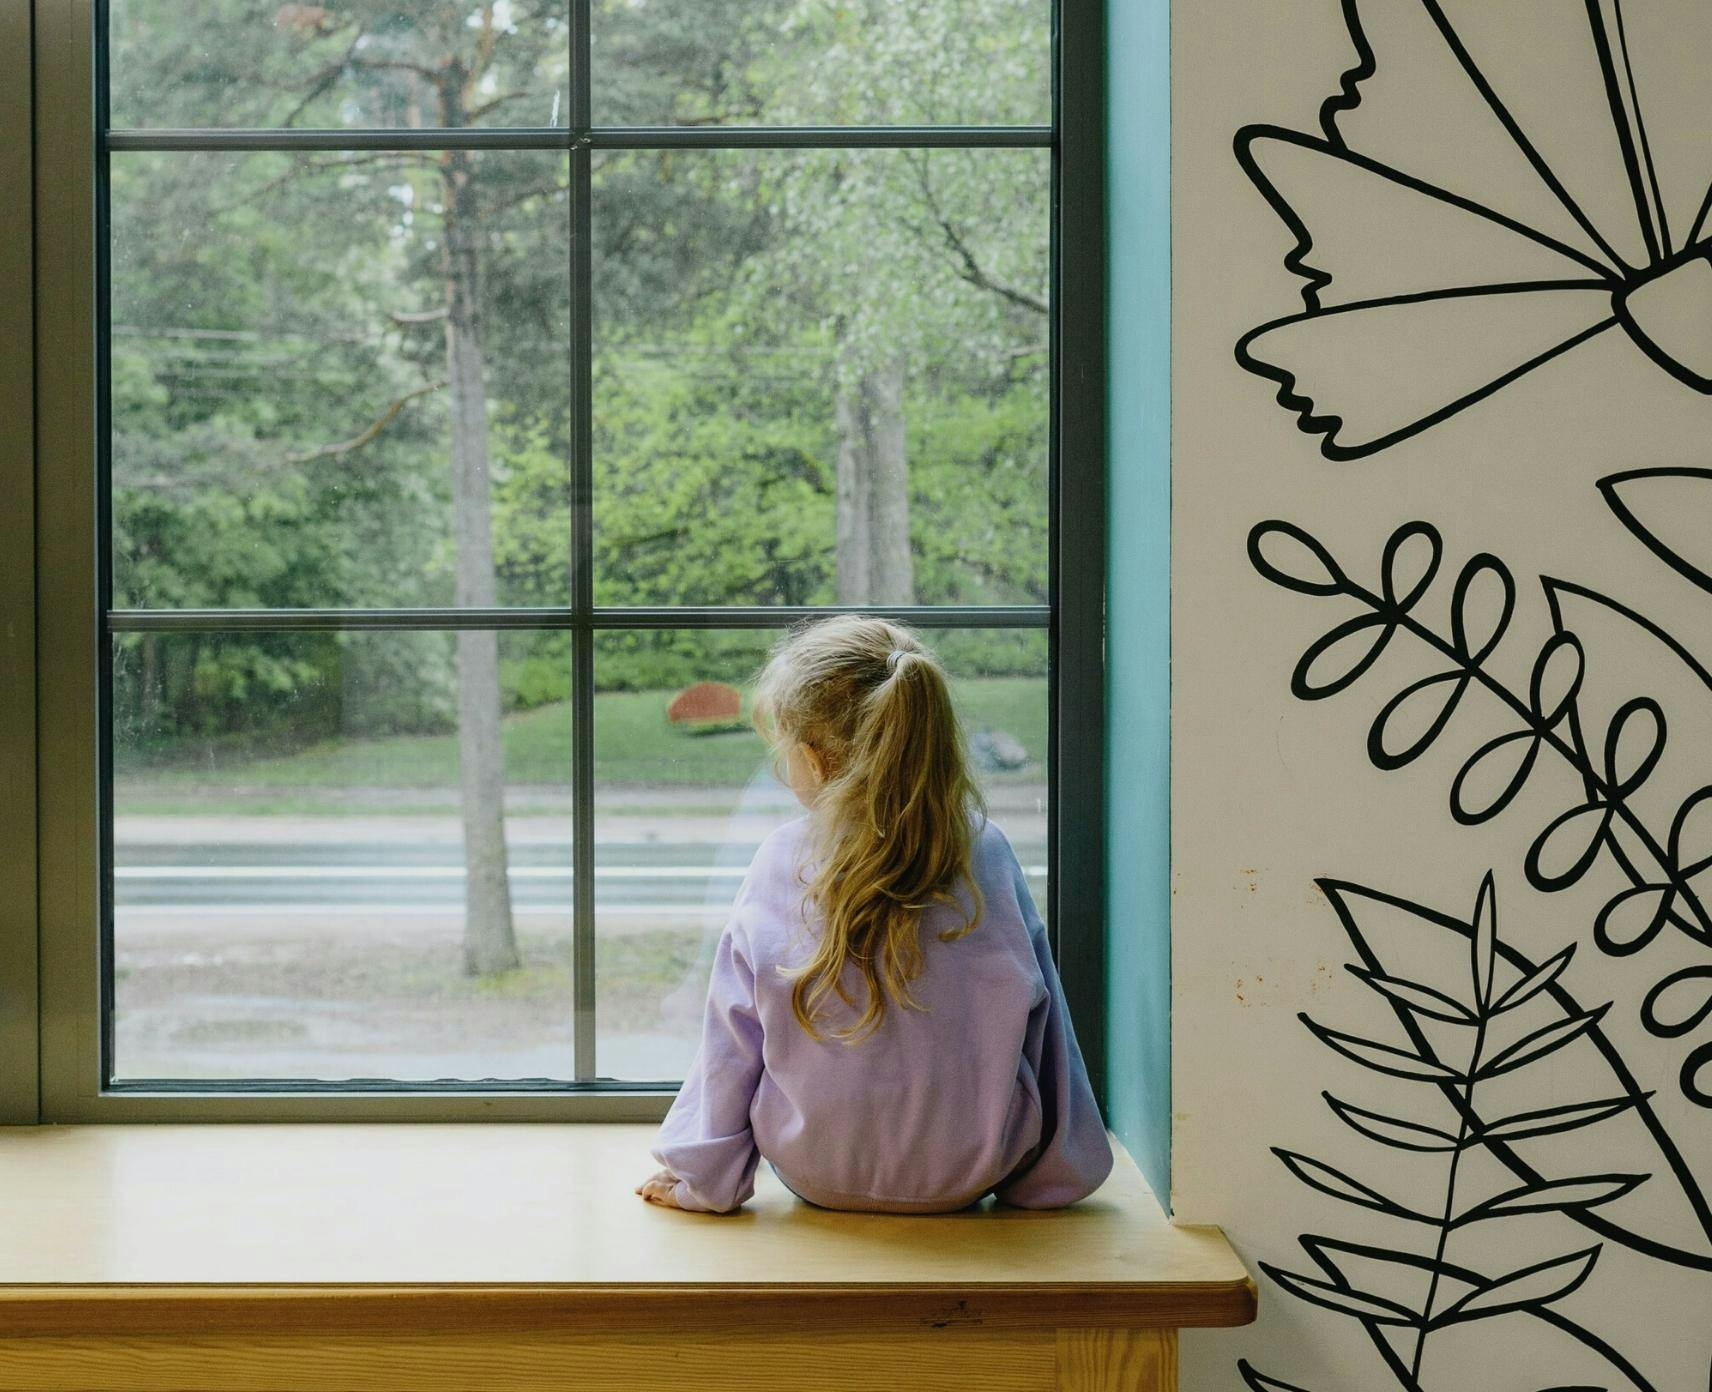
column 884, row 1021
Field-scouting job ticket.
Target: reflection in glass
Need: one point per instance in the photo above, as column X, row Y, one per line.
column 350, row 63
column 814, row 63
column 293, row 896
column 685, row 792
column 320, row 361
column 821, row 377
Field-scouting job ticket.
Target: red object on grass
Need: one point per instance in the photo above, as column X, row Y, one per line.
column 706, row 703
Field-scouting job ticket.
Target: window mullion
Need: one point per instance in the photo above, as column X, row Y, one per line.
column 582, row 555
column 1076, row 834
column 104, row 546
column 346, row 140
column 608, row 616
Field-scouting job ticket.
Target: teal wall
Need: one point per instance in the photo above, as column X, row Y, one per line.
column 1138, row 652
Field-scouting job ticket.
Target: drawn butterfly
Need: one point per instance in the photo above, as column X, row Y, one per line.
column 1494, row 185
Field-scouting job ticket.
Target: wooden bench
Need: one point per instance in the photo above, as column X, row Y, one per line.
column 417, row 1257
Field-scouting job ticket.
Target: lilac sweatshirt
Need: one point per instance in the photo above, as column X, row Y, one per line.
column 983, row 1091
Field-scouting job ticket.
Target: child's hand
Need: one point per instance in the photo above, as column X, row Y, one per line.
column 659, row 1189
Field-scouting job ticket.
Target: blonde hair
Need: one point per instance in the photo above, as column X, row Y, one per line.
column 893, row 822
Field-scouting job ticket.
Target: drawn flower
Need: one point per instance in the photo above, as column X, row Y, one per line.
column 1486, row 194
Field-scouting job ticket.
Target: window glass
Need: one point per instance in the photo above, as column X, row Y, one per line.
column 290, row 418
column 295, row 893
column 351, row 63
column 453, row 434
column 822, row 62
column 821, row 376
column 685, row 791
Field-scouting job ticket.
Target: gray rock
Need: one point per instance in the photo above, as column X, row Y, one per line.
column 996, row 751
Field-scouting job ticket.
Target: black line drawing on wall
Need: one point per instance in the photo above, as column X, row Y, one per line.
column 1493, row 187
column 1650, row 501
column 1625, row 808
column 1615, row 754
column 1492, row 1014
column 1552, row 234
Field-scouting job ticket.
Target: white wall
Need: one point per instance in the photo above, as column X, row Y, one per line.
column 1273, row 794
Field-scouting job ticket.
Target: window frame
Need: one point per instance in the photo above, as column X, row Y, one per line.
column 18, row 965
column 54, row 844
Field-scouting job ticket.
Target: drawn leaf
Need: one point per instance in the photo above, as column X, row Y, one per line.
column 1699, row 1061
column 1340, row 657
column 1259, row 1382
column 1595, row 612
column 1389, row 1130
column 1634, row 743
column 1691, row 846
column 1689, row 994
column 1316, row 1174
column 1632, row 919
column 1532, row 1287
column 1383, row 1058
column 1401, row 591
column 1548, row 1121
column 1343, row 1299
column 1288, row 556
column 1563, row 852
column 1675, row 503
column 1557, row 677
column 1526, row 987
column 1675, row 1225
column 1546, row 1039
column 1476, row 626
column 1553, row 1195
column 1491, row 777
column 1412, row 719
column 1483, row 941
column 1690, row 852
column 1423, row 1000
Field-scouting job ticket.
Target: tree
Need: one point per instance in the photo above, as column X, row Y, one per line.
column 878, row 244
column 451, row 62
column 490, row 941
column 874, row 563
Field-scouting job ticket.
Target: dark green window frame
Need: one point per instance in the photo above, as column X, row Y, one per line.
column 55, row 851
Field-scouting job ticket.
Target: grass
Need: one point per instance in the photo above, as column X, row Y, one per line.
column 636, row 747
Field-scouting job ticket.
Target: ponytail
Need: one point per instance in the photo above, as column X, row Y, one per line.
column 893, row 823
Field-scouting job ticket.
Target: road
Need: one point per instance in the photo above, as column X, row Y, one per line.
column 223, row 925
column 656, row 880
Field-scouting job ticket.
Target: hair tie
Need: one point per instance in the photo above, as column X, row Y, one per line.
column 892, row 659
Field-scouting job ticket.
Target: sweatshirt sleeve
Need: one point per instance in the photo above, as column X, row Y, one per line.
column 1075, row 1154
column 705, row 1140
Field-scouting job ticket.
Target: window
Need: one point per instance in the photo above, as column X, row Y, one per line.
column 443, row 408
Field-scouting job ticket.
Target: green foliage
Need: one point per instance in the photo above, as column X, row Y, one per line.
column 276, row 691
column 332, row 63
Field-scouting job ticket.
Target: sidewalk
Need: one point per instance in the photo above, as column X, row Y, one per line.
column 634, row 815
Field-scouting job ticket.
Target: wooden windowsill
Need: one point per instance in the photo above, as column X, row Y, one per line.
column 135, row 1229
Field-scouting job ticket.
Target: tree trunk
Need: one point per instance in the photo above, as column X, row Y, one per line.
column 873, row 544
column 490, row 943
column 148, row 707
